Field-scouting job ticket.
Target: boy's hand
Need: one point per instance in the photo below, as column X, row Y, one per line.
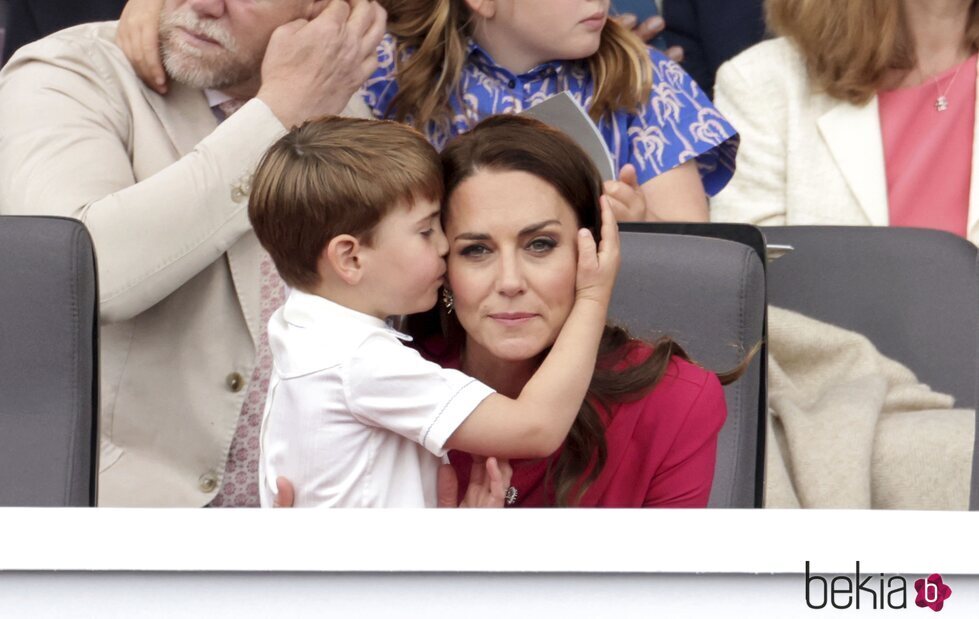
column 626, row 197
column 597, row 269
column 488, row 483
column 285, row 496
column 139, row 37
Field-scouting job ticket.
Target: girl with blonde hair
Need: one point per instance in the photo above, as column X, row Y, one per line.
column 447, row 64
column 862, row 113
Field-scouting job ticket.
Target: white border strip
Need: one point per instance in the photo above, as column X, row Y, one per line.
column 566, row 540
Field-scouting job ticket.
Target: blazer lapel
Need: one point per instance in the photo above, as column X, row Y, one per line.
column 972, row 221
column 185, row 115
column 853, row 136
column 245, row 262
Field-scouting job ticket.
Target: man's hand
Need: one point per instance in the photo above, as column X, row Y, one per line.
column 648, row 30
column 312, row 68
column 488, row 483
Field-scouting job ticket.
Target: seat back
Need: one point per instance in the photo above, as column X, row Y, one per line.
column 709, row 295
column 48, row 363
column 912, row 292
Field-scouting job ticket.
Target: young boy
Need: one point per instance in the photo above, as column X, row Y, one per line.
column 349, row 210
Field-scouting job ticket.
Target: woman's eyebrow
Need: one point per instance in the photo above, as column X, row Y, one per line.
column 472, row 236
column 531, row 229
column 482, row 236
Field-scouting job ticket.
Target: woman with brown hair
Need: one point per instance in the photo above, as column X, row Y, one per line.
column 646, row 434
column 862, row 113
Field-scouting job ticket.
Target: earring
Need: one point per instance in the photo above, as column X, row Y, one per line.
column 447, row 300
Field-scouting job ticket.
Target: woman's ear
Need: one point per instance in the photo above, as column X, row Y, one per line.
column 342, row 256
column 484, row 8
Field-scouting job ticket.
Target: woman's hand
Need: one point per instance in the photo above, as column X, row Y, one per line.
column 139, row 37
column 626, row 197
column 488, row 483
column 597, row 268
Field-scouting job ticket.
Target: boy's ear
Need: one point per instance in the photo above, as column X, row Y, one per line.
column 484, row 8
column 342, row 256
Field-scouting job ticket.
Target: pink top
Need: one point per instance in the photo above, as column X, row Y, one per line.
column 927, row 152
column 662, row 448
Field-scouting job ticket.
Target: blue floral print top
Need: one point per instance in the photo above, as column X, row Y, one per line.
column 677, row 124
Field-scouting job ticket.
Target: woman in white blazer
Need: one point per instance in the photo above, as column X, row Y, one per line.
column 808, row 107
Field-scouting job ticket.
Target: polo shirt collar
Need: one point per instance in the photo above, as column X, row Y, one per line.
column 304, row 310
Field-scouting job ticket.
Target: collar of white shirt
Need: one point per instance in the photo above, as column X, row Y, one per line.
column 304, row 310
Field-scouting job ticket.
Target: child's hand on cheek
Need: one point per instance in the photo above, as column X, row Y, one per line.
column 626, row 197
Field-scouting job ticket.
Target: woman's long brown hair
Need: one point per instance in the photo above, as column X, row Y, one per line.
column 431, row 51
column 850, row 47
column 516, row 143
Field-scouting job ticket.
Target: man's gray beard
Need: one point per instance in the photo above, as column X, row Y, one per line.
column 192, row 67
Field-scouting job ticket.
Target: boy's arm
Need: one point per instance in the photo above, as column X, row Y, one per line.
column 537, row 422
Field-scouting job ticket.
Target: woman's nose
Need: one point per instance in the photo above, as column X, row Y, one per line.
column 510, row 279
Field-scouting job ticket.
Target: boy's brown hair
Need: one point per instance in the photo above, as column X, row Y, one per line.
column 335, row 176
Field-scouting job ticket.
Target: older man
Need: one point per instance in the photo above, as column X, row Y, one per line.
column 162, row 183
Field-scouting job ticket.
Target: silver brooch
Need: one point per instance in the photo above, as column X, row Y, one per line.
column 511, row 495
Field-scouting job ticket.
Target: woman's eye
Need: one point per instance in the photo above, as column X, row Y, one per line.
column 429, row 232
column 542, row 245
column 474, row 251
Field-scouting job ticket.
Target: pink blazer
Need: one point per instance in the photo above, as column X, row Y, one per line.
column 661, row 448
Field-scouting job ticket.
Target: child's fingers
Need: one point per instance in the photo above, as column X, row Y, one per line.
column 626, row 197
column 621, row 210
column 628, row 176
column 587, row 251
column 609, row 247
column 151, row 67
column 284, row 493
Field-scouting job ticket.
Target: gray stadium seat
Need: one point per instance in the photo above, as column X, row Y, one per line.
column 48, row 363
column 912, row 292
column 708, row 294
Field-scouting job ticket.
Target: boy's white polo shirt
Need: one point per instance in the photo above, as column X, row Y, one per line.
column 354, row 418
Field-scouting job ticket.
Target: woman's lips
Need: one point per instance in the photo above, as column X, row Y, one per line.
column 511, row 319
